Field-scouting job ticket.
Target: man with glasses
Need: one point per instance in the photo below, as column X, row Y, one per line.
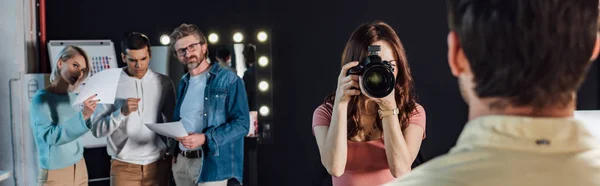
column 143, row 96
column 213, row 108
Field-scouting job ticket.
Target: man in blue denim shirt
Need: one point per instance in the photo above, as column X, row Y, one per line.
column 213, row 107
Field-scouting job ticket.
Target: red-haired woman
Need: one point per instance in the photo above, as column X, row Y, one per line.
column 365, row 140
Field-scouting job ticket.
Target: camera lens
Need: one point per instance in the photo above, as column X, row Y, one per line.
column 374, row 80
column 378, row 81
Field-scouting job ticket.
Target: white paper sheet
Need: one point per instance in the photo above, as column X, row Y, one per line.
column 103, row 83
column 172, row 129
column 4, row 175
column 591, row 120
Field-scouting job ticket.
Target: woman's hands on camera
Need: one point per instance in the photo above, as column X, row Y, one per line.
column 388, row 102
column 347, row 84
column 385, row 103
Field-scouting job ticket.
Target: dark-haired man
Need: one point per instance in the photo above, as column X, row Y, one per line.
column 519, row 64
column 143, row 96
column 224, row 58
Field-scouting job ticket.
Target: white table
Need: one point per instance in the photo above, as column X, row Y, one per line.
column 4, row 175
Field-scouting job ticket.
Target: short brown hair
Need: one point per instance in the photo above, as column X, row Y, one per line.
column 530, row 52
column 185, row 30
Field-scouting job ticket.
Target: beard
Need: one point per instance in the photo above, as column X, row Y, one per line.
column 192, row 65
column 194, row 61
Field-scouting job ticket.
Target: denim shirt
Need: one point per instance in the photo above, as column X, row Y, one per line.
column 227, row 120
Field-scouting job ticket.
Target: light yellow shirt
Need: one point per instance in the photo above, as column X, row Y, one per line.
column 513, row 151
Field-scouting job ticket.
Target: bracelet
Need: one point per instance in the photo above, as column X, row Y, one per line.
column 386, row 113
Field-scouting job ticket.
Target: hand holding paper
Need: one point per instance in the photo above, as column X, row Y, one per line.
column 89, row 106
column 103, row 83
column 192, row 141
column 172, row 129
column 131, row 105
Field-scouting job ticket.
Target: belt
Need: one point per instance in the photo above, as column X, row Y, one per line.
column 191, row 154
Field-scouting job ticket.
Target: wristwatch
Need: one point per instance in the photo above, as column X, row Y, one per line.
column 386, row 113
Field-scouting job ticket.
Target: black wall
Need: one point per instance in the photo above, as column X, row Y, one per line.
column 308, row 38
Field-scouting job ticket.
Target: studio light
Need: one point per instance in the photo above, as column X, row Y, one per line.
column 213, row 38
column 263, row 86
column 263, row 61
column 262, row 36
column 164, row 39
column 264, row 111
column 238, row 37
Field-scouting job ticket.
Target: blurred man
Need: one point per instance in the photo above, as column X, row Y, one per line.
column 224, row 58
column 519, row 64
column 143, row 96
column 213, row 107
column 250, row 75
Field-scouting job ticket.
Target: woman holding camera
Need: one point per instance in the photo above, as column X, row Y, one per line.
column 365, row 139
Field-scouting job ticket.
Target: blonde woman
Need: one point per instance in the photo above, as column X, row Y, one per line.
column 57, row 126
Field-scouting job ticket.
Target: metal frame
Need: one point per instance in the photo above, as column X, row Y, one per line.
column 12, row 126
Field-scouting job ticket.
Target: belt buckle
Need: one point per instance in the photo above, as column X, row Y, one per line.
column 196, row 154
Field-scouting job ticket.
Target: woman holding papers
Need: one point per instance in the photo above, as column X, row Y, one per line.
column 142, row 97
column 57, row 125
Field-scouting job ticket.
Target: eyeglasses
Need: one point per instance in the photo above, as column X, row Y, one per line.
column 183, row 51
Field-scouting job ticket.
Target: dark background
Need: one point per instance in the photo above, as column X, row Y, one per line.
column 307, row 40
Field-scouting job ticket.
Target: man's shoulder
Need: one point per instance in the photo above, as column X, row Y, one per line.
column 429, row 180
column 429, row 173
column 157, row 76
column 164, row 79
column 479, row 166
column 160, row 79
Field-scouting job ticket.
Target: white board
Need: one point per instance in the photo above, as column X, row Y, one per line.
column 101, row 53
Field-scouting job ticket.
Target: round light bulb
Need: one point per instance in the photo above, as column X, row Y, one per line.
column 238, row 37
column 263, row 86
column 165, row 39
column 213, row 38
column 263, row 61
column 262, row 36
column 264, row 111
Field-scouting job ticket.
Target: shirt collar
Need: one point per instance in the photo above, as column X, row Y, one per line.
column 148, row 74
column 214, row 69
column 526, row 134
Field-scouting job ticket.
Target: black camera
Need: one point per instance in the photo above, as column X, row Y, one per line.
column 378, row 78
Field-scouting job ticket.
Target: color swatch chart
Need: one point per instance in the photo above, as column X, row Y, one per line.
column 100, row 63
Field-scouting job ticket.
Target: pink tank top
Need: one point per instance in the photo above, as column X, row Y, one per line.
column 366, row 163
